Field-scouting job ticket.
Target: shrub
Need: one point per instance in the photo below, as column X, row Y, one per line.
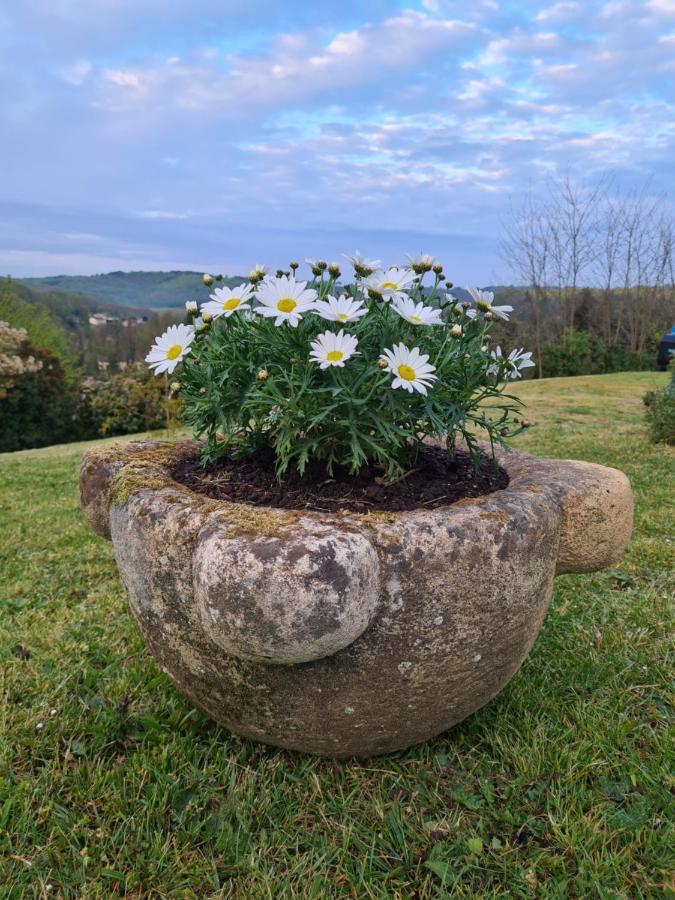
column 660, row 411
column 124, row 403
column 585, row 353
column 360, row 378
column 37, row 402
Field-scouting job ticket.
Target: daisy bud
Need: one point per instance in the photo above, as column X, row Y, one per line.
column 488, row 315
column 362, row 271
column 287, row 274
column 208, row 280
column 219, row 277
column 438, row 269
column 456, row 331
column 316, row 271
column 263, row 375
column 504, row 432
column 294, row 265
column 202, row 390
column 279, row 273
column 257, row 273
column 201, row 325
column 525, row 423
column 466, row 304
column 457, row 310
column 449, row 285
column 207, row 317
column 418, row 268
column 191, row 307
column 322, row 265
column 175, row 387
column 382, row 363
column 334, row 270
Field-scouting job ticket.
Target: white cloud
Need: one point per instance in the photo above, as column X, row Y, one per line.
column 665, row 8
column 162, row 214
column 77, row 72
column 559, row 12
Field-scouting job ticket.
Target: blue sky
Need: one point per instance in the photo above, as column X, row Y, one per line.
column 213, row 134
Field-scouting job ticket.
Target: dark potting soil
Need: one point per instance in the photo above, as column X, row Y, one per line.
column 435, row 480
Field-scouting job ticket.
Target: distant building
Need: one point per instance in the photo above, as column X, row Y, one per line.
column 102, row 319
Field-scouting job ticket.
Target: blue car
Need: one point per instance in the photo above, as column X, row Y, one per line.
column 666, row 349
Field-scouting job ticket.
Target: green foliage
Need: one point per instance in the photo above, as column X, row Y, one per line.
column 37, row 320
column 660, row 411
column 38, row 408
column 41, row 405
column 250, row 383
column 113, row 785
column 124, row 403
column 585, row 353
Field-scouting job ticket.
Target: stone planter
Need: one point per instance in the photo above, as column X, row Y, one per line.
column 347, row 634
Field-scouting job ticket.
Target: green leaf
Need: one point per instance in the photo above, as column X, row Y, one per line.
column 475, row 845
column 439, row 868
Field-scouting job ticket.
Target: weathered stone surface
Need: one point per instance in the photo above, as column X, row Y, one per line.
column 347, row 634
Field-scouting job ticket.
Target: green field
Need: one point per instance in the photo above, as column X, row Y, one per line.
column 112, row 785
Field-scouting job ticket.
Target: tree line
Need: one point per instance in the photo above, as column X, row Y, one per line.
column 594, row 260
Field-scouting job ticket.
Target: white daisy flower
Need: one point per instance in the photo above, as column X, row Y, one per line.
column 417, row 313
column 170, row 348
column 333, row 349
column 390, row 284
column 285, row 300
column 224, row 301
column 257, row 273
column 410, row 368
column 342, row 309
column 362, row 266
column 191, row 307
column 515, row 361
column 423, row 262
column 316, row 265
column 483, row 301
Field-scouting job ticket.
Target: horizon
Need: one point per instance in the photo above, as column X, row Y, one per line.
column 153, row 136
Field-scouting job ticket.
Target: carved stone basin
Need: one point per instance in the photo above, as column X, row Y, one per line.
column 346, row 633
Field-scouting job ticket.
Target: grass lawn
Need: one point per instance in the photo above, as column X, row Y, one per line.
column 112, row 785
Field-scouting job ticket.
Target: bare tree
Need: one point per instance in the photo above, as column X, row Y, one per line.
column 613, row 249
column 527, row 248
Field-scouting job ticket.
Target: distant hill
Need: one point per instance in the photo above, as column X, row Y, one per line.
column 70, row 309
column 84, row 331
column 153, row 290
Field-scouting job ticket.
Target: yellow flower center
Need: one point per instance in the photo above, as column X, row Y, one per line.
column 174, row 351
column 406, row 372
column 334, row 355
column 286, row 305
column 416, row 320
column 343, row 317
column 388, row 285
column 232, row 303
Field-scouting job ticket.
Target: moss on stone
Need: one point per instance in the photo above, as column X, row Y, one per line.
column 131, row 479
column 244, row 519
